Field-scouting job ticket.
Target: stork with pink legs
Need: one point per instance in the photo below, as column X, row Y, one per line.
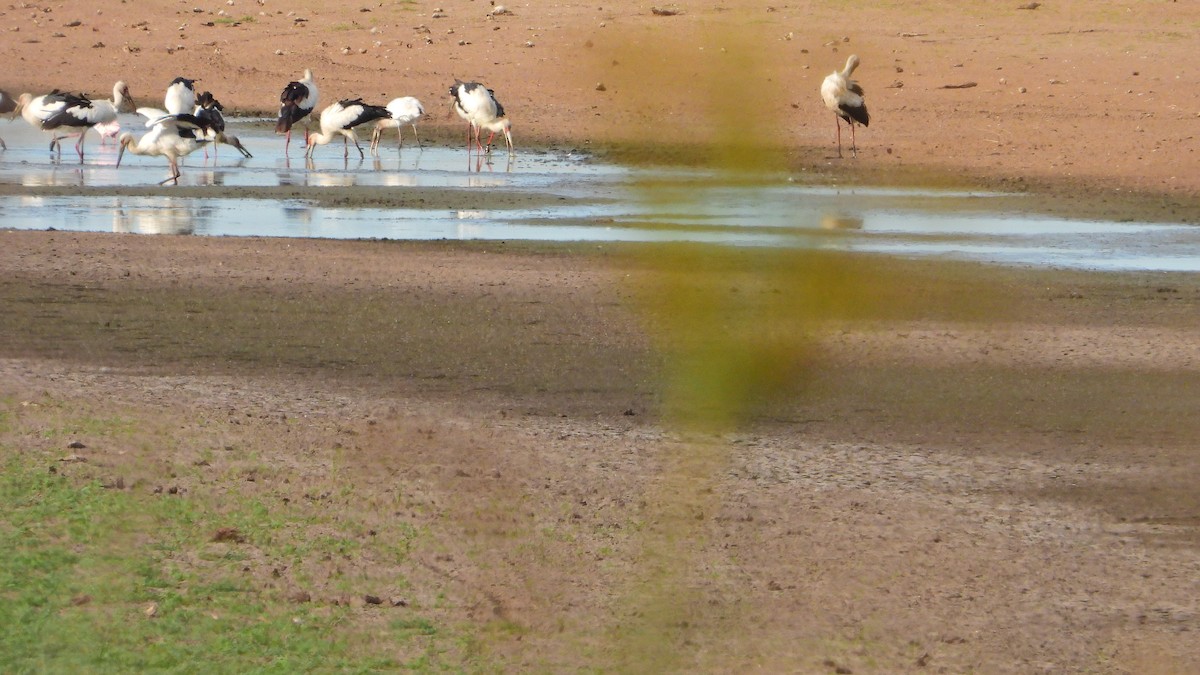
column 297, row 101
column 340, row 119
column 60, row 111
column 844, row 97
column 170, row 136
column 477, row 104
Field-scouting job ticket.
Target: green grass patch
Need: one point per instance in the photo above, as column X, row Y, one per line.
column 103, row 580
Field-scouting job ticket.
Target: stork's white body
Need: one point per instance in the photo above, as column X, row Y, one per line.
column 341, row 119
column 844, row 97
column 478, row 106
column 170, row 136
column 180, row 97
column 404, row 110
column 59, row 111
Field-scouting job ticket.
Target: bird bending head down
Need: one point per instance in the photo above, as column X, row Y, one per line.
column 478, row 105
column 340, row 119
column 844, row 97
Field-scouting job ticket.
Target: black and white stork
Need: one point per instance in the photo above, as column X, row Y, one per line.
column 295, row 103
column 844, row 97
column 403, row 110
column 208, row 111
column 180, row 97
column 340, row 119
column 170, row 136
column 478, row 106
column 60, row 111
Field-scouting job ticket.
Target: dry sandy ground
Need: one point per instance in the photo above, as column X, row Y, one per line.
column 1086, row 94
column 977, row 469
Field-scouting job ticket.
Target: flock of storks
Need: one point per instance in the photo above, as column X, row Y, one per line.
column 190, row 121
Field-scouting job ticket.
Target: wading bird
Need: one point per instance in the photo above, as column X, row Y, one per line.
column 340, row 119
column 60, row 111
column 180, row 97
column 404, row 110
column 170, row 136
column 295, row 103
column 478, row 106
column 8, row 108
column 844, row 97
column 208, row 111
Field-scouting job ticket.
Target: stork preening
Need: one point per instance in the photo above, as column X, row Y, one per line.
column 180, row 98
column 208, row 111
column 340, row 119
column 170, row 136
column 844, row 97
column 403, row 110
column 60, row 111
column 477, row 105
column 8, row 108
column 295, row 103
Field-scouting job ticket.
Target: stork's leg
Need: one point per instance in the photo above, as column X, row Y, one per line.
column 354, row 137
column 174, row 172
column 491, row 138
column 3, row 146
column 838, row 121
column 853, row 142
column 287, row 140
column 79, row 145
column 416, row 136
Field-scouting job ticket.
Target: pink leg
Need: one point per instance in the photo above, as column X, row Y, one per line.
column 838, row 121
column 853, row 141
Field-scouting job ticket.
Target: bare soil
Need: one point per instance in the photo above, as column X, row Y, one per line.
column 986, row 469
column 917, row 466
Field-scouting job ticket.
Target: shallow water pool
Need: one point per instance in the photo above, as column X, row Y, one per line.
column 571, row 197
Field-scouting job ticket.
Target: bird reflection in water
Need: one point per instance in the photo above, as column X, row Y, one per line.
column 164, row 215
column 840, row 221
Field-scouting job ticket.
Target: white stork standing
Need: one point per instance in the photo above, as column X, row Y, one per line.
column 404, row 110
column 180, row 97
column 478, row 106
column 8, row 108
column 844, row 97
column 57, row 111
column 340, row 119
column 295, row 103
column 208, row 111
column 170, row 136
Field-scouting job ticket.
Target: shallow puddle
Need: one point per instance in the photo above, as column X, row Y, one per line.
column 572, row 197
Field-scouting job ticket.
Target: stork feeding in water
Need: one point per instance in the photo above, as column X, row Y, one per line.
column 477, row 105
column 208, row 111
column 170, row 136
column 404, row 110
column 340, row 119
column 844, row 97
column 298, row 99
